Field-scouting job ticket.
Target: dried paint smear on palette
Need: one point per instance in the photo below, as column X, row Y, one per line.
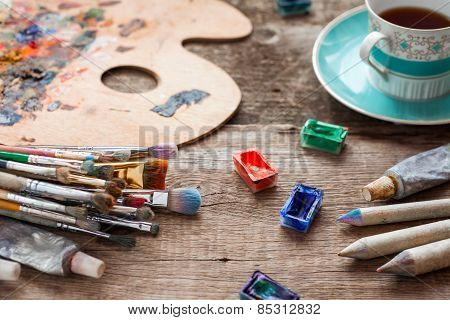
column 35, row 45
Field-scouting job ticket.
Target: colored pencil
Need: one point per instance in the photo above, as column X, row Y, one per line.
column 396, row 241
column 397, row 213
column 420, row 260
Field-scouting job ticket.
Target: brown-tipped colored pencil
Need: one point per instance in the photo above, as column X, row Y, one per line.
column 420, row 260
column 396, row 241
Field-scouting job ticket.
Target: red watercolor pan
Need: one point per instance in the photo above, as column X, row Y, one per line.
column 254, row 169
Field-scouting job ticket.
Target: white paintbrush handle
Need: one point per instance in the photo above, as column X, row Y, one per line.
column 56, row 192
column 48, row 215
column 76, row 164
column 42, row 171
column 32, row 202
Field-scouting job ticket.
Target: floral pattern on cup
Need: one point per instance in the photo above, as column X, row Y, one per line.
column 410, row 46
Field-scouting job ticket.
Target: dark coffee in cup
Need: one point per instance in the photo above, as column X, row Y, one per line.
column 416, row 18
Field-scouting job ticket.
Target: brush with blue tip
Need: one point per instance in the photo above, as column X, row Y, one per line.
column 397, row 213
column 186, row 201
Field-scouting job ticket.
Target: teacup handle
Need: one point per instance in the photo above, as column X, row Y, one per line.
column 366, row 47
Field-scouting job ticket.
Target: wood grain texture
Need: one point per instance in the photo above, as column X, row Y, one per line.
column 236, row 232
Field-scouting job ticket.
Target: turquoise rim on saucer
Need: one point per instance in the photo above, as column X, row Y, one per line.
column 340, row 70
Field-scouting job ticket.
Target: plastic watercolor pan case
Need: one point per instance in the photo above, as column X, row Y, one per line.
column 262, row 287
column 301, row 207
column 255, row 170
column 323, row 136
column 292, row 7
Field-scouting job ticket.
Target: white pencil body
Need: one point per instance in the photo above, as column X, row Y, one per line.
column 405, row 212
column 396, row 241
column 419, row 260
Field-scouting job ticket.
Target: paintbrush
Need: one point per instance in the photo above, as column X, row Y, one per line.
column 134, row 202
column 43, row 204
column 152, row 228
column 101, row 200
column 63, row 154
column 81, row 166
column 150, row 174
column 54, row 216
column 64, row 176
column 123, row 240
column 77, row 154
column 181, row 200
column 143, row 213
column 159, row 151
column 113, row 187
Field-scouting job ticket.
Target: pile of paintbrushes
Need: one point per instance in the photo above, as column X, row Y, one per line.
column 81, row 189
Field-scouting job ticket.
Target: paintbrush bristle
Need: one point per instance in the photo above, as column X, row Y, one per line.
column 154, row 175
column 119, row 155
column 88, row 225
column 103, row 201
column 88, row 167
column 144, row 213
column 134, row 202
column 154, row 229
column 119, row 182
column 123, row 240
column 63, row 175
column 113, row 189
column 103, row 172
column 76, row 211
column 184, row 200
column 163, row 151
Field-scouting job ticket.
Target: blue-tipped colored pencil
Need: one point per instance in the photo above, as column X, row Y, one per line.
column 397, row 213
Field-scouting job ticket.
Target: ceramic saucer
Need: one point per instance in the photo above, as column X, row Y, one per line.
column 340, row 70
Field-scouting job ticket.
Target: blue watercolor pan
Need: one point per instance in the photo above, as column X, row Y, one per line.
column 292, row 7
column 301, row 207
column 262, row 287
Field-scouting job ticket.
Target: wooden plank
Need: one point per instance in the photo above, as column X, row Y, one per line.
column 236, row 232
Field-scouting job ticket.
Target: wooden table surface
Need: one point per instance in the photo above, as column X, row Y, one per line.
column 212, row 255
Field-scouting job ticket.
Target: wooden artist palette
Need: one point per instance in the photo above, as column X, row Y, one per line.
column 63, row 101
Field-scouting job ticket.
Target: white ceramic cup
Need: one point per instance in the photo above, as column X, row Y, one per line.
column 407, row 63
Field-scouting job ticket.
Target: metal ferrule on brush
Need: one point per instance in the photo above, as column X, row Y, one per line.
column 70, row 228
column 55, row 191
column 153, row 198
column 139, row 225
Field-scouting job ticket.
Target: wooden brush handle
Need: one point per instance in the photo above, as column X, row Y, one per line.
column 8, row 205
column 12, row 182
